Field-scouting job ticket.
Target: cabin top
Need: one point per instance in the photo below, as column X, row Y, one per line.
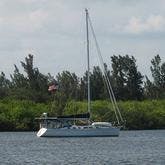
column 45, row 116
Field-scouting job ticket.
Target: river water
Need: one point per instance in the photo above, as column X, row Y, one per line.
column 130, row 148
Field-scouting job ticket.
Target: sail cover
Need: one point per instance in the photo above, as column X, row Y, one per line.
column 83, row 115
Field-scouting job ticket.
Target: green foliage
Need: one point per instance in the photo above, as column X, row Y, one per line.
column 127, row 80
column 138, row 114
column 75, row 107
column 19, row 115
column 68, row 84
column 102, row 111
column 97, row 84
column 16, row 115
column 144, row 115
column 156, row 89
column 4, row 85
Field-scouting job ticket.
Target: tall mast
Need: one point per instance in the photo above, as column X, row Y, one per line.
column 88, row 64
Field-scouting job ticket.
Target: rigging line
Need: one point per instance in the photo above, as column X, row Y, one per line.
column 106, row 76
column 88, row 19
column 100, row 57
column 107, row 83
column 109, row 89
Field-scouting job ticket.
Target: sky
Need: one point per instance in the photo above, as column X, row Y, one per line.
column 54, row 32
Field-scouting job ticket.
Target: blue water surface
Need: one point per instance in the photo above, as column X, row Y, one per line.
column 130, row 148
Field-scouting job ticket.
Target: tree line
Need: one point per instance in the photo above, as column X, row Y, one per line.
column 127, row 82
column 25, row 96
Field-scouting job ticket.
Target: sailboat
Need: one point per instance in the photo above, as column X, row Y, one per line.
column 64, row 126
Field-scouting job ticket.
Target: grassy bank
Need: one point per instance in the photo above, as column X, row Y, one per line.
column 16, row 115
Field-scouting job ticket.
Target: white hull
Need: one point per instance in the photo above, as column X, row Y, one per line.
column 67, row 132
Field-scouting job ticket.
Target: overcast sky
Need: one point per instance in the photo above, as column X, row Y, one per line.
column 54, row 32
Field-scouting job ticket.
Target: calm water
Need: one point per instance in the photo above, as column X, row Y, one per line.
column 131, row 148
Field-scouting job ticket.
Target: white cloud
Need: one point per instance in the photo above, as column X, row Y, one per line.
column 30, row 1
column 154, row 23
column 56, row 29
column 1, row 20
column 29, row 22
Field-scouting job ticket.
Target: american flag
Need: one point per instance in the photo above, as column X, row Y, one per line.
column 52, row 87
